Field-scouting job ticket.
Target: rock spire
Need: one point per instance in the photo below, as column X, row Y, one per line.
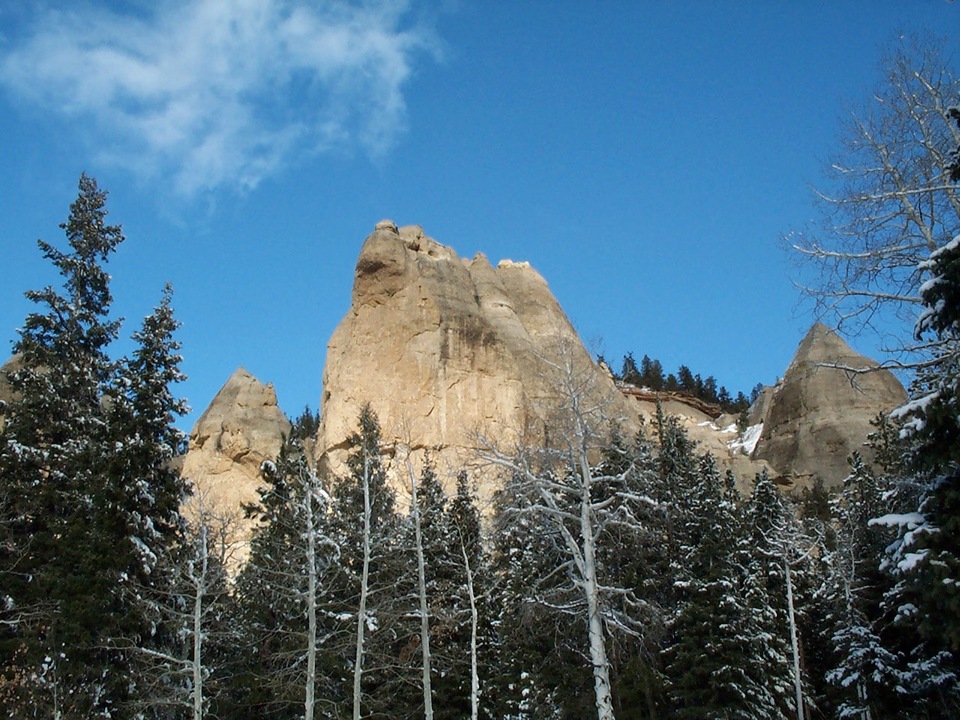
column 822, row 409
column 448, row 351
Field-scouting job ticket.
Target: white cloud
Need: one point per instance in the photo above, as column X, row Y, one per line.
column 221, row 92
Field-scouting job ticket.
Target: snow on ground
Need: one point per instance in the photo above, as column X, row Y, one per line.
column 747, row 441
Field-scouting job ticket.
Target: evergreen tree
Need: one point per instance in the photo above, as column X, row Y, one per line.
column 284, row 585
column 777, row 549
column 925, row 558
column 82, row 452
column 864, row 671
column 715, row 647
column 629, row 373
column 686, row 381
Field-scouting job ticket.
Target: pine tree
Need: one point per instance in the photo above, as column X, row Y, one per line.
column 285, row 584
column 777, row 553
column 372, row 563
column 68, row 535
column 925, row 558
column 713, row 633
column 864, row 672
column 146, row 490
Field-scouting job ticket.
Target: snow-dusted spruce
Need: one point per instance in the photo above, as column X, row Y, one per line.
column 93, row 504
column 777, row 551
column 925, row 558
column 561, row 489
column 890, row 201
column 713, row 660
column 865, row 672
column 284, row 583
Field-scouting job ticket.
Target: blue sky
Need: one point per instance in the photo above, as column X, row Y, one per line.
column 645, row 157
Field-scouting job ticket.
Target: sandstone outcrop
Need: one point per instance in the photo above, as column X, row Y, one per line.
column 449, row 352
column 241, row 428
column 818, row 415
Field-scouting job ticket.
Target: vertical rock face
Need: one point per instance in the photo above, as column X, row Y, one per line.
column 816, row 416
column 242, row 427
column 447, row 351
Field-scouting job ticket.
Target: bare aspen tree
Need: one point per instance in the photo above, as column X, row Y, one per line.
column 422, row 594
column 192, row 606
column 364, row 590
column 889, row 200
column 565, row 490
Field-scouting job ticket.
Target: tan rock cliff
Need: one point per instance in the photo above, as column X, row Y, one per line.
column 818, row 415
column 242, row 427
column 448, row 351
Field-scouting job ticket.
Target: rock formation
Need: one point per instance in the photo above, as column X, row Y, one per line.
column 454, row 353
column 449, row 351
column 817, row 415
column 242, row 427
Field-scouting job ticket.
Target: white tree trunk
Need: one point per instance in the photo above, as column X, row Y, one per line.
column 424, row 606
column 364, row 582
column 199, row 589
column 794, row 643
column 591, row 589
column 311, row 550
column 474, row 621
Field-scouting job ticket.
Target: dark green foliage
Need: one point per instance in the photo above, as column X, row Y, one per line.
column 650, row 375
column 273, row 586
column 306, row 425
column 91, row 506
column 711, row 658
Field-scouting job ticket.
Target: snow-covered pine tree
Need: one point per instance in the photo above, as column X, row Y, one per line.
column 531, row 655
column 925, row 558
column 713, row 634
column 67, row 539
column 864, row 672
column 283, row 589
column 147, row 490
column 776, row 551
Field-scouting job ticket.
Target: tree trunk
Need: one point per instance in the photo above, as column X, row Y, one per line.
column 474, row 669
column 794, row 643
column 422, row 588
column 198, row 626
column 311, row 681
column 364, row 582
column 591, row 589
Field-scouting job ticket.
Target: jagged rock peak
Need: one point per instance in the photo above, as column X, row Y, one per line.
column 241, row 428
column 243, row 423
column 822, row 409
column 444, row 349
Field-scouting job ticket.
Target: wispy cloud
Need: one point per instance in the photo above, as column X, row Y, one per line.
column 221, row 93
